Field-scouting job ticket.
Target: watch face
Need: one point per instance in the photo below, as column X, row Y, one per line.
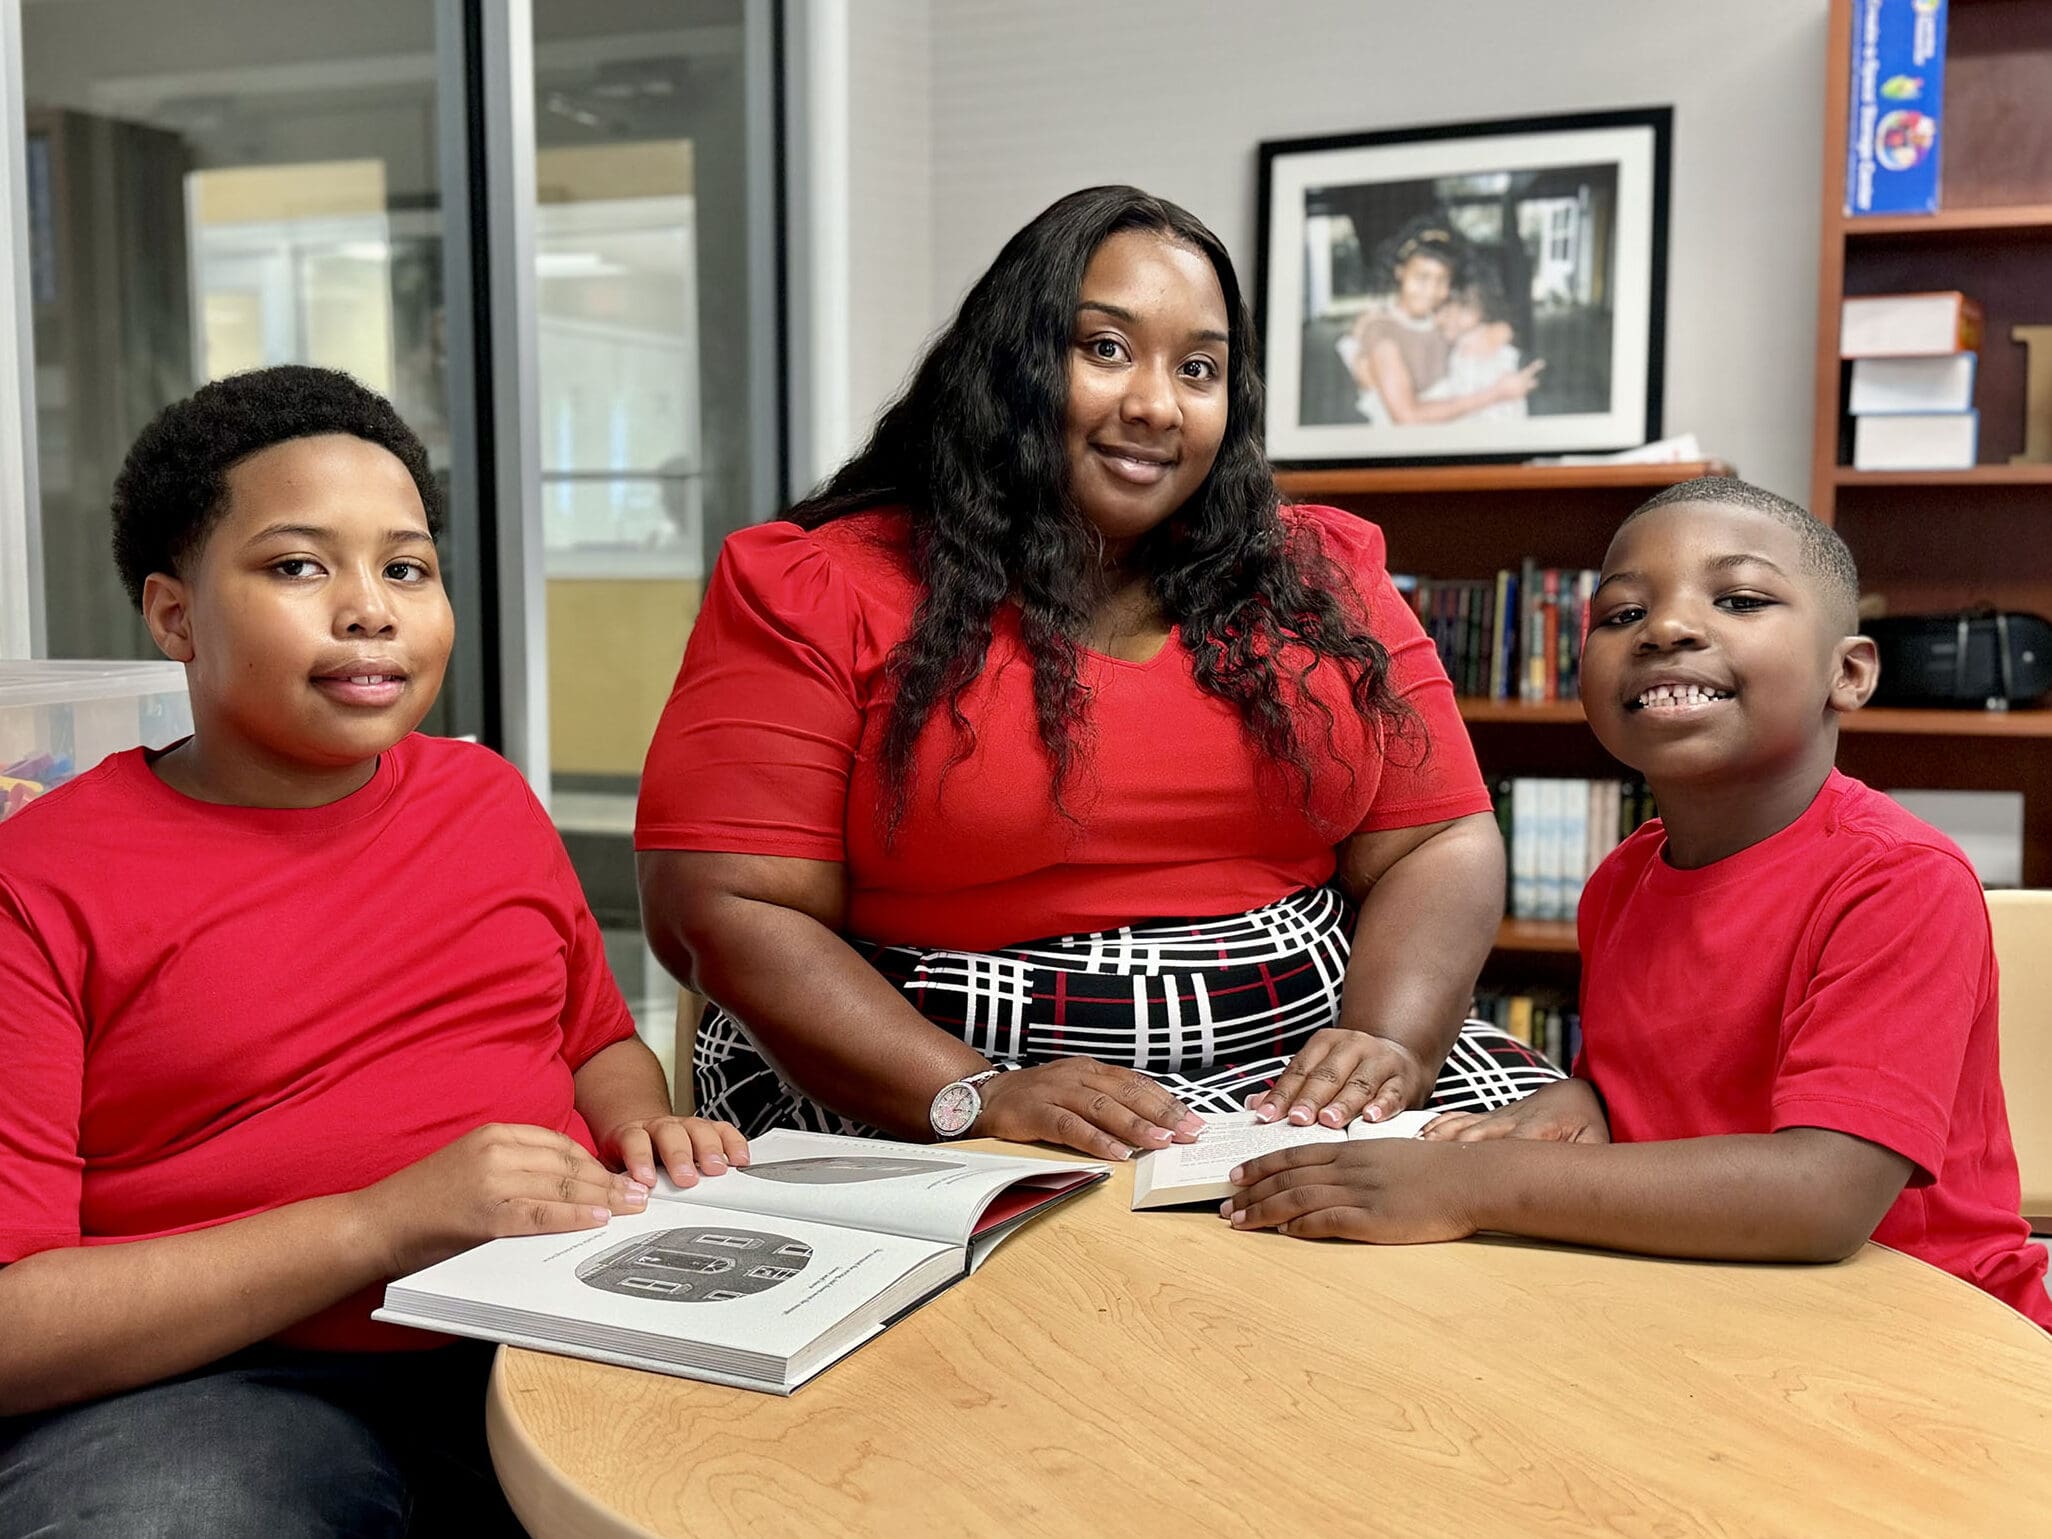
column 954, row 1108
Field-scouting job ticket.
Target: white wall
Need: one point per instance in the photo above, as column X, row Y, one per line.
column 890, row 197
column 1028, row 102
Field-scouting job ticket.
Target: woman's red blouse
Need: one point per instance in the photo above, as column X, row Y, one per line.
column 770, row 745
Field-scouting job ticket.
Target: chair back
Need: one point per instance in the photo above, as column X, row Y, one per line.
column 2023, row 950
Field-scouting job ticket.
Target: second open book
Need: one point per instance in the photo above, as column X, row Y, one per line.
column 1180, row 1173
column 758, row 1278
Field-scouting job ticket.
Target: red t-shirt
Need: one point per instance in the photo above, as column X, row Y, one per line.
column 771, row 745
column 215, row 1011
column 1837, row 975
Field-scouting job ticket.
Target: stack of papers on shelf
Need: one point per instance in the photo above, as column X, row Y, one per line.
column 1681, row 449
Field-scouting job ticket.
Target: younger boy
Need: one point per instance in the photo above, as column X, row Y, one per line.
column 1788, row 1008
column 300, row 1004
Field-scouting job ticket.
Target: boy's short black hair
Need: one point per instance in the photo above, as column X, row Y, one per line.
column 1824, row 553
column 174, row 483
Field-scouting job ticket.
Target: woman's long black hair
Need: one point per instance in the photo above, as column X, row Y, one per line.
column 974, row 451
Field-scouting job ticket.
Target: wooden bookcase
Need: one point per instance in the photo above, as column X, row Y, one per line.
column 1937, row 540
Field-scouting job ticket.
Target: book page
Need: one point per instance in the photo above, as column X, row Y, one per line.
column 928, row 1191
column 1198, row 1172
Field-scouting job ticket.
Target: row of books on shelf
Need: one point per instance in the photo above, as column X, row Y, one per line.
column 1541, row 1018
column 1516, row 636
column 1557, row 832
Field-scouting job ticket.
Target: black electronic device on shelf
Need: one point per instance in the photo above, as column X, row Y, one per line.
column 1982, row 659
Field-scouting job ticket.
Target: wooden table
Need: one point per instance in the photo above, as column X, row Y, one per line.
column 1108, row 1372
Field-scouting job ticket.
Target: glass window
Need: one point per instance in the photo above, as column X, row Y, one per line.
column 646, row 366
column 217, row 187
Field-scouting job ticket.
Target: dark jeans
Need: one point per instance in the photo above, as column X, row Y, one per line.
column 267, row 1444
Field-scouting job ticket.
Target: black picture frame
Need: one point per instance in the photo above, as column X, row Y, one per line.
column 1335, row 323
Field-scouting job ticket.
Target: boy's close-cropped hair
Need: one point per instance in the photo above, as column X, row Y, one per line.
column 1824, row 552
column 174, row 483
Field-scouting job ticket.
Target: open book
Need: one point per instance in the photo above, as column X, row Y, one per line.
column 1196, row 1172
column 758, row 1278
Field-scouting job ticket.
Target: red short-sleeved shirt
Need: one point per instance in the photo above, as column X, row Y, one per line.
column 1837, row 975
column 214, row 1011
column 770, row 745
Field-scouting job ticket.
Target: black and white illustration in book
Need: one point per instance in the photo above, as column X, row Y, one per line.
column 1466, row 292
column 697, row 1265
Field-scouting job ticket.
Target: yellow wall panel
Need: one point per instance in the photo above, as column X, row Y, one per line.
column 614, row 646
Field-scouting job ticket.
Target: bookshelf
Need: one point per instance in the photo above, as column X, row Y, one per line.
column 1543, row 936
column 1880, row 719
column 1936, row 540
column 1993, row 220
column 1980, row 475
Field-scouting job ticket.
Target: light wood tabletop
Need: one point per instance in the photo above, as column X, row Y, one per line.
column 1112, row 1372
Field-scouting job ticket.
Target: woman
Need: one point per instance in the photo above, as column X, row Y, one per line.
column 1047, row 659
column 1400, row 353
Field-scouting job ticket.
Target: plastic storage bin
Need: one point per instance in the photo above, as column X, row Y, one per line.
column 59, row 719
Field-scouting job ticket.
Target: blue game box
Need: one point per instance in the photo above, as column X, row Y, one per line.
column 1898, row 82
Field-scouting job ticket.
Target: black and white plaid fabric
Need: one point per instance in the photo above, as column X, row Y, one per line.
column 1212, row 1008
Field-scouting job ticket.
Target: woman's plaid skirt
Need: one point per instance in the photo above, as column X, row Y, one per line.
column 1211, row 1008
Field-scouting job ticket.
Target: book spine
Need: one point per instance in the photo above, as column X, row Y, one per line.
column 1574, row 853
column 1530, row 686
column 1553, row 856
column 1549, row 638
column 1524, row 849
column 1585, row 600
column 1496, row 667
column 1520, row 1022
column 1478, row 640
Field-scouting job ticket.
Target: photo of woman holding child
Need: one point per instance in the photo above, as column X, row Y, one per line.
column 1439, row 349
column 1472, row 291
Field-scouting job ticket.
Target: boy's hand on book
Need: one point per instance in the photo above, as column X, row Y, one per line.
column 503, row 1179
column 1339, row 1075
column 1394, row 1191
column 1081, row 1103
column 688, row 1147
column 1567, row 1112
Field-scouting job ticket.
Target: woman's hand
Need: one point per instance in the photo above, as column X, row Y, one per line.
column 1097, row 1108
column 503, row 1179
column 1394, row 1191
column 1568, row 1112
column 688, row 1148
column 1339, row 1075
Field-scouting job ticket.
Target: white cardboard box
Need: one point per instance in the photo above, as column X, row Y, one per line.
column 1886, row 387
column 1917, row 441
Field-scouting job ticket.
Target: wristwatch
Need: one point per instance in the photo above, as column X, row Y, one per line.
column 956, row 1106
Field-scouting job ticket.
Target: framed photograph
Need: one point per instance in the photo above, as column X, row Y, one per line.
column 1465, row 292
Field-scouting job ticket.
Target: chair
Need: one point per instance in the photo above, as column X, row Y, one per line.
column 2023, row 950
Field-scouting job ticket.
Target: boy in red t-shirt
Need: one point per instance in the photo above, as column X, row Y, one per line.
column 1788, row 1008
column 300, row 1004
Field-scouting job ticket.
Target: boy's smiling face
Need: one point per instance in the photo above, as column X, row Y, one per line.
column 313, row 621
column 1716, row 654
